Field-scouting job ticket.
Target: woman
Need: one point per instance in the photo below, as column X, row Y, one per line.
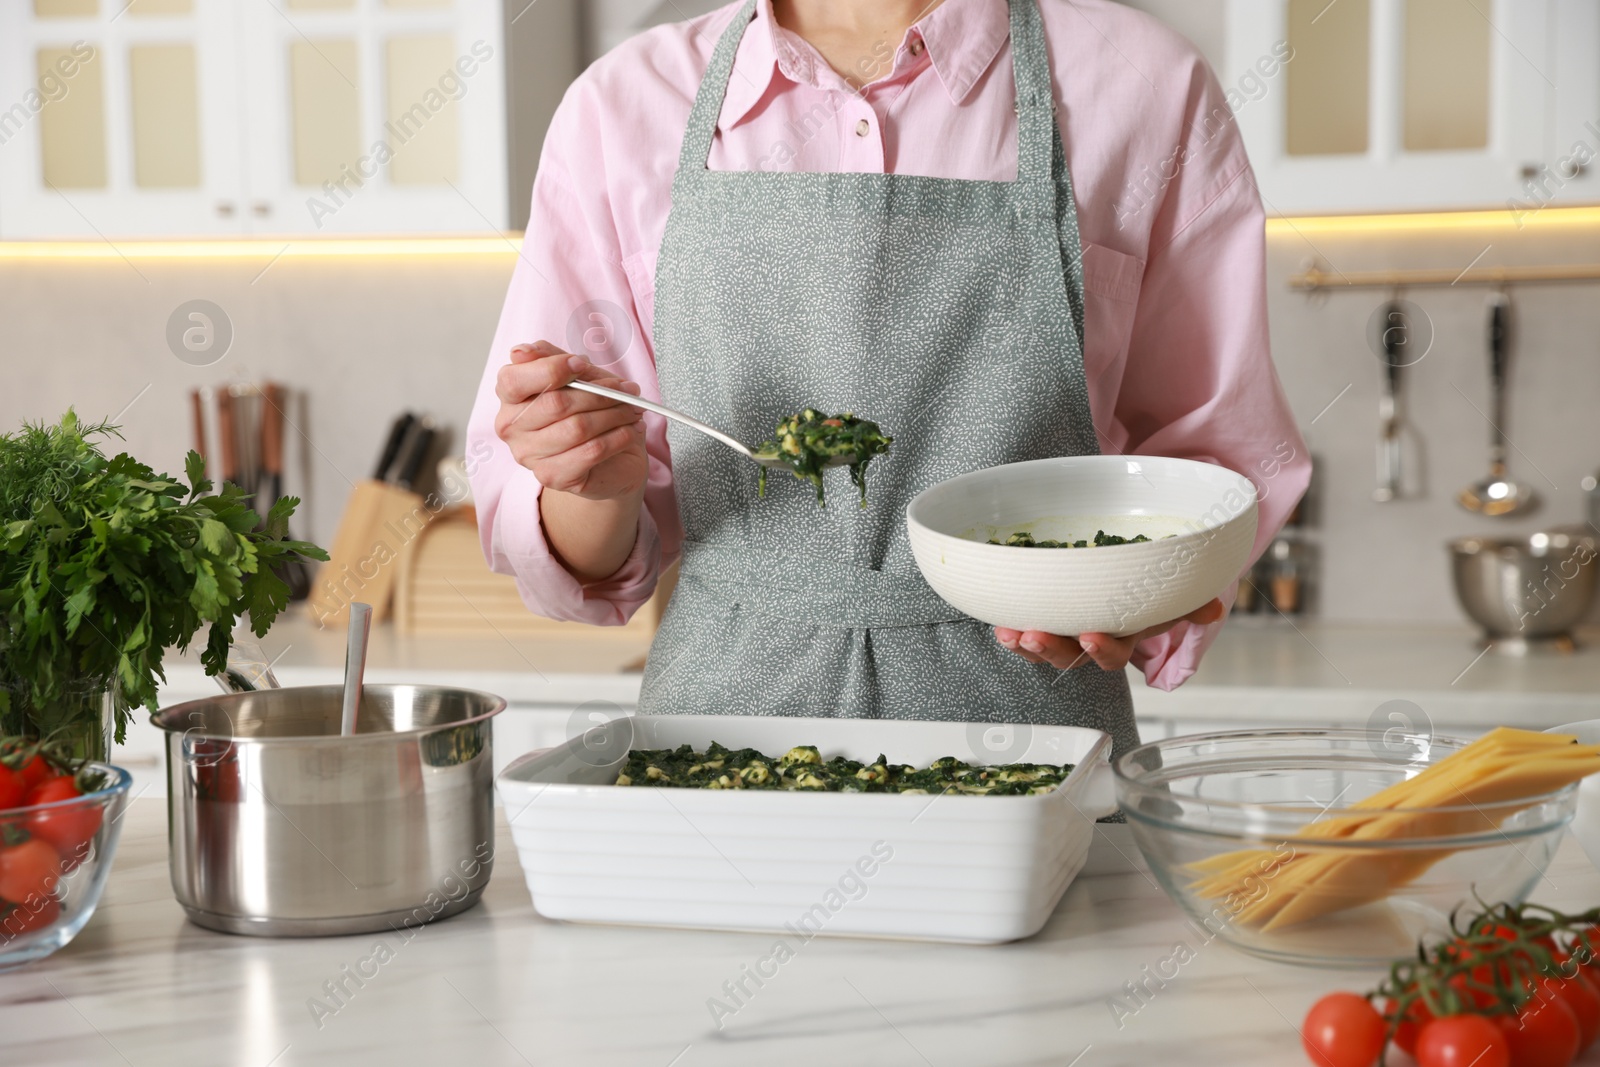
column 752, row 213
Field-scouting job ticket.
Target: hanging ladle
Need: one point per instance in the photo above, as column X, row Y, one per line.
column 1497, row 495
column 355, row 665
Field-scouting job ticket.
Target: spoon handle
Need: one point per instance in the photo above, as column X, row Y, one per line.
column 664, row 411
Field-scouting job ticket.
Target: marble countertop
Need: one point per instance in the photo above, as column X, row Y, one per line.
column 499, row 985
column 1259, row 669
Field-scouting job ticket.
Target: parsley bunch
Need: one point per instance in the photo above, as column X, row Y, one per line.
column 105, row 564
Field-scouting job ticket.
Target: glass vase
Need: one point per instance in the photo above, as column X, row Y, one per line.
column 82, row 716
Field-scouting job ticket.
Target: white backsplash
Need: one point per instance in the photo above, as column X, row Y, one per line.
column 1388, row 561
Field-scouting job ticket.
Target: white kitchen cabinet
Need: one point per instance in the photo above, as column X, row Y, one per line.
column 210, row 117
column 1375, row 105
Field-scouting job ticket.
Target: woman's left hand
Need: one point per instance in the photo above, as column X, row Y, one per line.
column 1107, row 652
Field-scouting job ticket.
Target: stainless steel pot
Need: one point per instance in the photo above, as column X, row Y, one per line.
column 1526, row 592
column 280, row 827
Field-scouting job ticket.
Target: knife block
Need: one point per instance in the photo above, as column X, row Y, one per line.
column 378, row 532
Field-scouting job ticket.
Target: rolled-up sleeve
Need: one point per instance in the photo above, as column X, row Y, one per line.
column 570, row 287
column 1200, row 382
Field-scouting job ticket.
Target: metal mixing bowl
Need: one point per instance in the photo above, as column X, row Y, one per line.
column 1526, row 592
column 281, row 827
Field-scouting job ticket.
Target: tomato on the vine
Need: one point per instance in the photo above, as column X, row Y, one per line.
column 1463, row 1041
column 50, row 783
column 1405, row 1035
column 34, row 771
column 65, row 828
column 1343, row 1030
column 1544, row 1033
column 20, row 919
column 28, row 871
column 1577, row 992
column 11, row 789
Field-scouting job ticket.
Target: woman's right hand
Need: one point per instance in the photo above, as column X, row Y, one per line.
column 574, row 442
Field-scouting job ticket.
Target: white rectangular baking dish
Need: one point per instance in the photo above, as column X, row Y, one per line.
column 979, row 869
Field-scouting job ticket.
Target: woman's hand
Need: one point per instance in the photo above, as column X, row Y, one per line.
column 578, row 443
column 1107, row 652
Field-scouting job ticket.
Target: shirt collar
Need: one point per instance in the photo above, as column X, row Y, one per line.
column 962, row 38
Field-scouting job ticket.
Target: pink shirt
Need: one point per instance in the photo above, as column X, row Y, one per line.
column 1176, row 347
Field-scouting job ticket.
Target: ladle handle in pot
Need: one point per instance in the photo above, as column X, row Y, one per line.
column 355, row 665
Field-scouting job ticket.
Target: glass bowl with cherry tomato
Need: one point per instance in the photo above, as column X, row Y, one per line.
column 59, row 823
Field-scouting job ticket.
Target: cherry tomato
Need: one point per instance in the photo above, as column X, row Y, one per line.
column 10, row 788
column 1343, row 1030
column 30, row 870
column 1543, row 1034
column 34, row 771
column 50, row 782
column 1578, row 993
column 65, row 828
column 25, row 918
column 1462, row 1041
column 1405, row 1035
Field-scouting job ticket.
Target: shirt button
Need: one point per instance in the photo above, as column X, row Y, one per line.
column 917, row 46
column 863, row 128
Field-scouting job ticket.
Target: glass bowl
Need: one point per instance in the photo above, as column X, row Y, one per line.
column 60, row 855
column 1348, row 902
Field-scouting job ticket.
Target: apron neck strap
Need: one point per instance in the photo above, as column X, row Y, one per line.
column 1036, row 107
column 696, row 150
column 1030, row 69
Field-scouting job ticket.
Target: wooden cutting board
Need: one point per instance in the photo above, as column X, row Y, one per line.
column 445, row 587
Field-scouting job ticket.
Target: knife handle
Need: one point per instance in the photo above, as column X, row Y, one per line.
column 230, row 447
column 391, row 447
column 197, row 411
column 419, row 442
column 272, row 429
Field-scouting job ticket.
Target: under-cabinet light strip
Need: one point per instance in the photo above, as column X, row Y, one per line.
column 1532, row 217
column 265, row 248
column 509, row 243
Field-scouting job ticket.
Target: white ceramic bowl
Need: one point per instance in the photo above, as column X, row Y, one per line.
column 1116, row 589
column 1586, row 823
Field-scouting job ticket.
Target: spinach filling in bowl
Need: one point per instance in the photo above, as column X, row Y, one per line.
column 811, row 441
column 1101, row 539
column 803, row 768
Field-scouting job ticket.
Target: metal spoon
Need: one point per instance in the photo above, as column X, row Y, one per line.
column 765, row 459
column 1497, row 495
column 355, row 665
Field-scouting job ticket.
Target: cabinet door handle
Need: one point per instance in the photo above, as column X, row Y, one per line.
column 225, row 208
column 261, row 208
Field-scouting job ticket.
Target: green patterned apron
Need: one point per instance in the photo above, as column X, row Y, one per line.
column 949, row 311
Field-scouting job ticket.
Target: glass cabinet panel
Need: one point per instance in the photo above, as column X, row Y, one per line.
column 65, row 9
column 421, row 117
column 166, row 116
column 326, row 106
column 1446, row 75
column 1328, row 95
column 72, row 128
column 160, row 7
